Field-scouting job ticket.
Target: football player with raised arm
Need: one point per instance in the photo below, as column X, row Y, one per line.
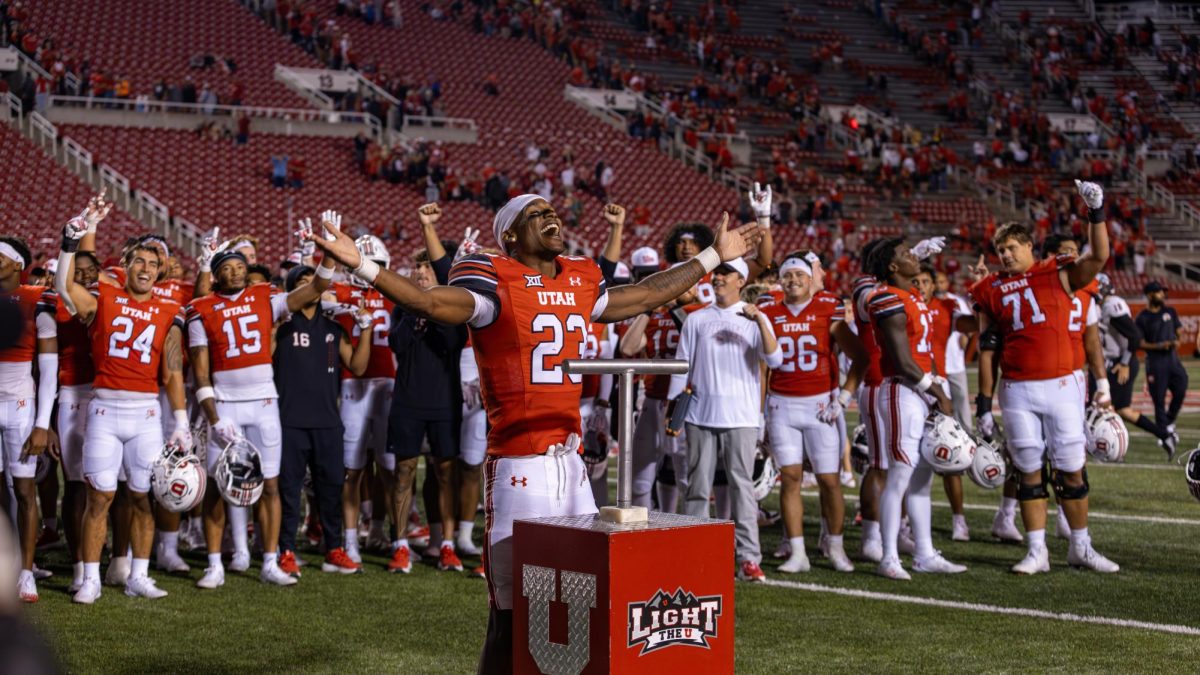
column 529, row 308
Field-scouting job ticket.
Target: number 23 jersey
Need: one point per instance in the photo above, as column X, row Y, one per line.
column 532, row 403
column 1032, row 312
column 128, row 338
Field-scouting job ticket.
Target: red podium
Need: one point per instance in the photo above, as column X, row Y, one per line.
column 597, row 597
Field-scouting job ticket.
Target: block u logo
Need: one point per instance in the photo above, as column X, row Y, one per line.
column 579, row 595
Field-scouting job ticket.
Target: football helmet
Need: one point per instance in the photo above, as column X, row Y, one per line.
column 860, row 450
column 989, row 467
column 1192, row 472
column 765, row 474
column 177, row 479
column 372, row 248
column 946, row 446
column 1106, row 435
column 239, row 473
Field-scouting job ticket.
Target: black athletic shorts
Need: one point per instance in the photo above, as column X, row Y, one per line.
column 1122, row 394
column 406, row 434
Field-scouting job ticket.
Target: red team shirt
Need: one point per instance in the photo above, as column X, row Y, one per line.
column 128, row 337
column 238, row 328
column 540, row 322
column 75, row 364
column 887, row 301
column 941, row 314
column 809, row 365
column 28, row 300
column 1081, row 304
column 1032, row 312
column 591, row 350
column 662, row 339
column 381, row 363
column 864, row 286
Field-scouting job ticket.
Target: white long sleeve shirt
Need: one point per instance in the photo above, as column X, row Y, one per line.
column 723, row 350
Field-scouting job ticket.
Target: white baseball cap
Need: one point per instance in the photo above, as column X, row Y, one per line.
column 738, row 265
column 644, row 257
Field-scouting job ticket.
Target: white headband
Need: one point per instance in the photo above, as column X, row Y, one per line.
column 507, row 215
column 9, row 252
column 241, row 243
column 795, row 264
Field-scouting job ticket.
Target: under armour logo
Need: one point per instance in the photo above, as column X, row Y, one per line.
column 150, row 413
column 21, row 403
column 524, row 481
column 575, row 281
column 100, row 411
column 533, row 281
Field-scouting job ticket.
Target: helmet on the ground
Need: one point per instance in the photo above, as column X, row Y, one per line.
column 239, row 474
column 1106, row 435
column 177, row 479
column 765, row 474
column 989, row 467
column 946, row 446
column 1192, row 472
column 860, row 450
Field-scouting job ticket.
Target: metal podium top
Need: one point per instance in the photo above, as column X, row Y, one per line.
column 592, row 522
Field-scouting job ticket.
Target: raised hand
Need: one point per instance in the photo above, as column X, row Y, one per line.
column 730, row 244
column 97, row 209
column 209, row 247
column 331, row 218
column 760, row 201
column 929, row 247
column 468, row 245
column 1092, row 193
column 429, row 214
column 307, row 248
column 614, row 214
column 978, row 271
column 337, row 245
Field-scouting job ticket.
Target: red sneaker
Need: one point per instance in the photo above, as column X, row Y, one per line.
column 417, row 536
column 337, row 561
column 401, row 560
column 449, row 560
column 312, row 530
column 287, row 563
column 750, row 571
column 478, row 572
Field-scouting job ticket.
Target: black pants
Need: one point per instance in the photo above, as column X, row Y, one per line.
column 320, row 450
column 1165, row 373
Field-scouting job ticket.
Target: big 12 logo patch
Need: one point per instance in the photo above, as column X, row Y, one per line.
column 669, row 619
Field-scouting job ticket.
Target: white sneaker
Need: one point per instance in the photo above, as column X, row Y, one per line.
column 170, row 561
column 27, row 586
column 837, row 555
column 88, row 592
column 214, row 577
column 892, row 569
column 1062, row 529
column 797, row 562
column 1005, row 529
column 118, row 571
column 783, row 550
column 143, row 587
column 823, row 545
column 466, row 547
column 872, row 551
column 936, row 564
column 194, row 540
column 959, row 530
column 240, row 562
column 354, row 555
column 271, row 574
column 1035, row 561
column 1087, row 557
column 847, row 479
column 74, row 586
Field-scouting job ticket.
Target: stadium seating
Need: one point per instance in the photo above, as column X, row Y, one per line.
column 147, row 41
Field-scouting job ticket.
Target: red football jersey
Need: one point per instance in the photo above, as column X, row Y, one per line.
column 591, row 350
column 941, row 314
column 809, row 365
column 237, row 327
column 662, row 339
column 540, row 322
column 887, row 301
column 75, row 364
column 27, row 299
column 1081, row 304
column 1032, row 311
column 176, row 290
column 128, row 338
column 864, row 286
column 382, row 362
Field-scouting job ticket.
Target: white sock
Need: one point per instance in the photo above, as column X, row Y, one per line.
column 1036, row 538
column 958, row 518
column 1080, row 538
column 169, row 541
column 77, row 572
column 448, row 543
column 238, row 518
column 464, row 529
column 435, row 534
column 140, row 567
column 835, row 540
column 1008, row 506
column 271, row 558
column 898, row 477
column 91, row 571
column 920, row 511
column 398, row 543
column 214, row 560
column 870, row 530
column 351, row 539
column 797, row 544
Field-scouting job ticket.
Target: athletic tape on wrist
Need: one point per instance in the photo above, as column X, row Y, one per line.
column 709, row 258
column 925, row 383
column 1103, row 386
column 764, row 221
column 181, row 419
column 324, row 272
column 204, row 393
column 844, row 398
column 367, row 270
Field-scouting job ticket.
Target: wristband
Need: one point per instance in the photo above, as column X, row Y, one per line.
column 843, row 398
column 203, row 394
column 925, row 383
column 709, row 259
column 368, row 270
column 324, row 272
column 205, row 265
column 1096, row 215
column 1103, row 386
column 764, row 221
column 181, row 419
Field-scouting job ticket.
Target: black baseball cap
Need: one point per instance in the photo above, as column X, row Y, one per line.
column 1153, row 286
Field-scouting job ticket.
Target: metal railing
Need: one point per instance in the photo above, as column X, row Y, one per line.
column 43, row 132
column 77, row 158
column 152, row 107
column 289, row 78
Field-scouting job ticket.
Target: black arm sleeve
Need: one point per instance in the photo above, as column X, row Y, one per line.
column 441, row 269
column 608, row 268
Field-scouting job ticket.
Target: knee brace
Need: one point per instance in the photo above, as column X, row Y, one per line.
column 1029, row 493
column 1063, row 492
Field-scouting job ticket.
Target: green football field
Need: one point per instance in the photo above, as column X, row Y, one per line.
column 987, row 620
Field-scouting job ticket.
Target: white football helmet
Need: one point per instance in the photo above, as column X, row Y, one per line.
column 177, row 479
column 765, row 474
column 1107, row 437
column 946, row 446
column 860, row 450
column 239, row 474
column 372, row 248
column 1192, row 472
column 989, row 467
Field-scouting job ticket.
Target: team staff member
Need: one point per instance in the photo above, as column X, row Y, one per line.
column 723, row 344
column 310, row 351
column 1160, row 328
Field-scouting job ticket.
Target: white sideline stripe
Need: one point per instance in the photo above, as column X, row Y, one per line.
column 987, row 609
